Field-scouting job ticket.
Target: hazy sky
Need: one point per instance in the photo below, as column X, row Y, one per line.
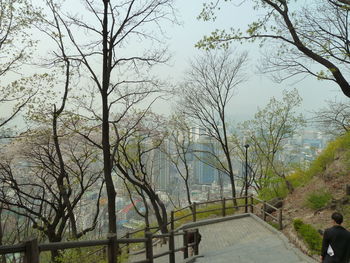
column 259, row 88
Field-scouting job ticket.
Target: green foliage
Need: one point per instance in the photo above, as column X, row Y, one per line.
column 274, row 188
column 297, row 223
column 297, row 178
column 88, row 255
column 277, row 189
column 202, row 214
column 301, row 177
column 265, row 134
column 318, row 200
column 275, row 225
column 345, row 210
column 309, row 234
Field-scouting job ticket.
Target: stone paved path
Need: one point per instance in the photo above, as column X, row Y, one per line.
column 242, row 240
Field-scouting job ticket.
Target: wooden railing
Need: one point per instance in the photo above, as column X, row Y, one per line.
column 31, row 249
column 277, row 218
column 251, row 204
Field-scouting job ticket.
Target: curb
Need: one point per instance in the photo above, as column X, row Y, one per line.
column 212, row 221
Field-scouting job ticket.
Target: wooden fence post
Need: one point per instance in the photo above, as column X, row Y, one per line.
column 112, row 248
column 171, row 247
column 194, row 211
column 251, row 204
column 264, row 210
column 31, row 254
column 127, row 244
column 149, row 247
column 280, row 223
column 347, row 189
column 185, row 238
column 196, row 239
column 224, row 207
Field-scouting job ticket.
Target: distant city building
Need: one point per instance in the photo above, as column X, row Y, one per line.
column 161, row 169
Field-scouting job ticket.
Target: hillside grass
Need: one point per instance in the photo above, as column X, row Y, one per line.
column 309, row 234
column 319, row 165
column 300, row 177
column 318, row 199
column 202, row 212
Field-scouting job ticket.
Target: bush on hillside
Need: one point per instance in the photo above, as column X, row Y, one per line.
column 302, row 176
column 274, row 187
column 309, row 234
column 318, row 200
column 88, row 255
column 297, row 223
column 327, row 155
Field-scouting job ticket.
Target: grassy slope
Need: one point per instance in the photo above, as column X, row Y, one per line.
column 320, row 190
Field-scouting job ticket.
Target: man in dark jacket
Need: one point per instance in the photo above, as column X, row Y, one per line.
column 336, row 242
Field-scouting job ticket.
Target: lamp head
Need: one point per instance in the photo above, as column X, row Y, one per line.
column 246, row 146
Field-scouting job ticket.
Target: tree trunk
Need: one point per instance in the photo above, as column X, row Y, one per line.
column 188, row 193
column 107, row 165
column 2, row 259
column 233, row 191
column 160, row 212
column 55, row 254
column 347, row 189
column 164, row 226
column 221, row 186
column 288, row 184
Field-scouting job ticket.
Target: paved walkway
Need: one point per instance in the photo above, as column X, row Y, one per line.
column 241, row 240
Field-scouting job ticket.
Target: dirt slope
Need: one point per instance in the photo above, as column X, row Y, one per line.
column 333, row 180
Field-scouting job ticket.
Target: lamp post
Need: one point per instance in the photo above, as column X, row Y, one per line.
column 246, row 178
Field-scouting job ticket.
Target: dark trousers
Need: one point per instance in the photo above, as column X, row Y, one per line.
column 329, row 259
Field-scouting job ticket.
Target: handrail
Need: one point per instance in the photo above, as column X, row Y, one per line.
column 32, row 249
column 209, row 210
column 268, row 204
column 113, row 243
column 183, row 208
column 8, row 249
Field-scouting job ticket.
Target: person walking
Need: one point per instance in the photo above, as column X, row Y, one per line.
column 336, row 242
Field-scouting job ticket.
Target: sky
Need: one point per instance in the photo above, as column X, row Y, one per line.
column 253, row 93
column 257, row 90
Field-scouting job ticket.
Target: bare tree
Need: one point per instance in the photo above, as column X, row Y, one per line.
column 299, row 36
column 32, row 183
column 134, row 156
column 209, row 87
column 334, row 118
column 58, row 164
column 181, row 152
column 117, row 77
column 139, row 192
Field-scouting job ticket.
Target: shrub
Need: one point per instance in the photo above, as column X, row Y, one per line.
column 274, row 186
column 297, row 223
column 327, row 155
column 302, row 176
column 274, row 225
column 318, row 200
column 88, row 255
column 309, row 234
column 216, row 211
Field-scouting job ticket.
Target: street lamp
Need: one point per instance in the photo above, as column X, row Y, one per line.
column 246, row 178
